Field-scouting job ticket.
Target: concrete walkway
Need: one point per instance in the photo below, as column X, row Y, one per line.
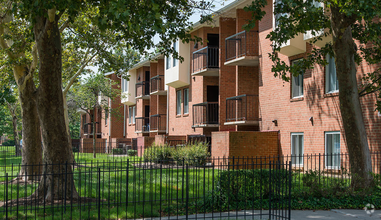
column 334, row 214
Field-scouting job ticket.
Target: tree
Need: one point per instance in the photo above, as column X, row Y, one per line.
column 346, row 22
column 94, row 94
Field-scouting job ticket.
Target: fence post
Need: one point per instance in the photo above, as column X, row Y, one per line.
column 66, row 187
column 270, row 189
column 289, row 188
column 187, row 192
column 6, row 196
column 99, row 193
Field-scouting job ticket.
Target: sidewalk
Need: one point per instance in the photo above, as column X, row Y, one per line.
column 334, row 214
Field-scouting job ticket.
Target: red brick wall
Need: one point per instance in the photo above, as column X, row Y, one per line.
column 144, row 143
column 245, row 144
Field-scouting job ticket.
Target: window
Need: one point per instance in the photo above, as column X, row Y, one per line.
column 168, row 62
column 124, row 85
column 177, row 50
column 178, row 102
column 331, row 82
column 106, row 116
column 332, row 149
column 297, row 84
column 131, row 115
column 297, row 145
column 186, row 101
column 279, row 15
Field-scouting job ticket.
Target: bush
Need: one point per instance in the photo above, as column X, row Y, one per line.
column 117, row 151
column 75, row 149
column 132, row 152
column 158, row 154
column 9, row 143
column 194, row 154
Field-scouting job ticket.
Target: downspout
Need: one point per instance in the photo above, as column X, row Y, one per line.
column 167, row 121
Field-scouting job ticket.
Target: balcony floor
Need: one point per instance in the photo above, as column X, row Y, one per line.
column 207, row 72
column 142, row 132
column 206, row 126
column 143, row 97
column 158, row 131
column 160, row 92
column 243, row 61
column 242, row 123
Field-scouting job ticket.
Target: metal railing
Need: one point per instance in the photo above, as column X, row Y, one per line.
column 157, row 83
column 242, row 108
column 241, row 44
column 142, row 124
column 88, row 128
column 142, row 88
column 204, row 58
column 158, row 122
column 205, row 113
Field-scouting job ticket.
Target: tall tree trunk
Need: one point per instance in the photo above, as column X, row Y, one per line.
column 350, row 107
column 31, row 133
column 12, row 110
column 66, row 116
column 58, row 183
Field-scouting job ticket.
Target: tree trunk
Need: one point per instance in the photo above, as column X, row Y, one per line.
column 94, row 140
column 57, row 181
column 12, row 110
column 31, row 133
column 350, row 107
column 66, row 116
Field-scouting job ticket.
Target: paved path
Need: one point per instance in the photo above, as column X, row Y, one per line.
column 334, row 214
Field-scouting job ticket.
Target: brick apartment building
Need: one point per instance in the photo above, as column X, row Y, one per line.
column 225, row 90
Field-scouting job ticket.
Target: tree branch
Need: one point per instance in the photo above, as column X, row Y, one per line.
column 33, row 65
column 3, row 44
column 367, row 93
column 52, row 14
column 368, row 86
column 64, row 25
column 71, row 81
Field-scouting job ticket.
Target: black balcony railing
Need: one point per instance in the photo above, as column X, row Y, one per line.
column 142, row 124
column 158, row 122
column 142, row 88
column 88, row 128
column 241, row 44
column 207, row 57
column 242, row 108
column 205, row 113
column 157, row 83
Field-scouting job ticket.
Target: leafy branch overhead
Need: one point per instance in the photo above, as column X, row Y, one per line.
column 296, row 17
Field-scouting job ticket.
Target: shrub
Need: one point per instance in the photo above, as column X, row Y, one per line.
column 193, row 154
column 132, row 152
column 75, row 149
column 158, row 154
column 117, row 151
column 9, row 143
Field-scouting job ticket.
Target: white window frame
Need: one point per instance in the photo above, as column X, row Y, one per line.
column 328, row 76
column 336, row 167
column 294, row 161
column 300, row 79
column 186, row 101
column 178, row 102
column 133, row 114
column 167, row 62
column 124, row 85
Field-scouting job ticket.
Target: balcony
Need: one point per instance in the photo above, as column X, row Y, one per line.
column 242, row 49
column 157, row 85
column 158, row 123
column 312, row 38
column 142, row 90
column 142, row 125
column 293, row 46
column 242, row 110
column 205, row 115
column 205, row 62
column 88, row 128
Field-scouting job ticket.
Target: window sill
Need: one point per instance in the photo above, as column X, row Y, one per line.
column 297, row 99
column 186, row 115
column 333, row 94
column 178, row 116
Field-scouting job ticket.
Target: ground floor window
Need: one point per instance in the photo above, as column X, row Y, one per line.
column 332, row 149
column 297, row 145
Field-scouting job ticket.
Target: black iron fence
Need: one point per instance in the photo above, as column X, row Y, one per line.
column 242, row 108
column 157, row 83
column 158, row 122
column 204, row 58
column 205, row 114
column 241, row 44
column 142, row 124
column 136, row 189
column 142, row 89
